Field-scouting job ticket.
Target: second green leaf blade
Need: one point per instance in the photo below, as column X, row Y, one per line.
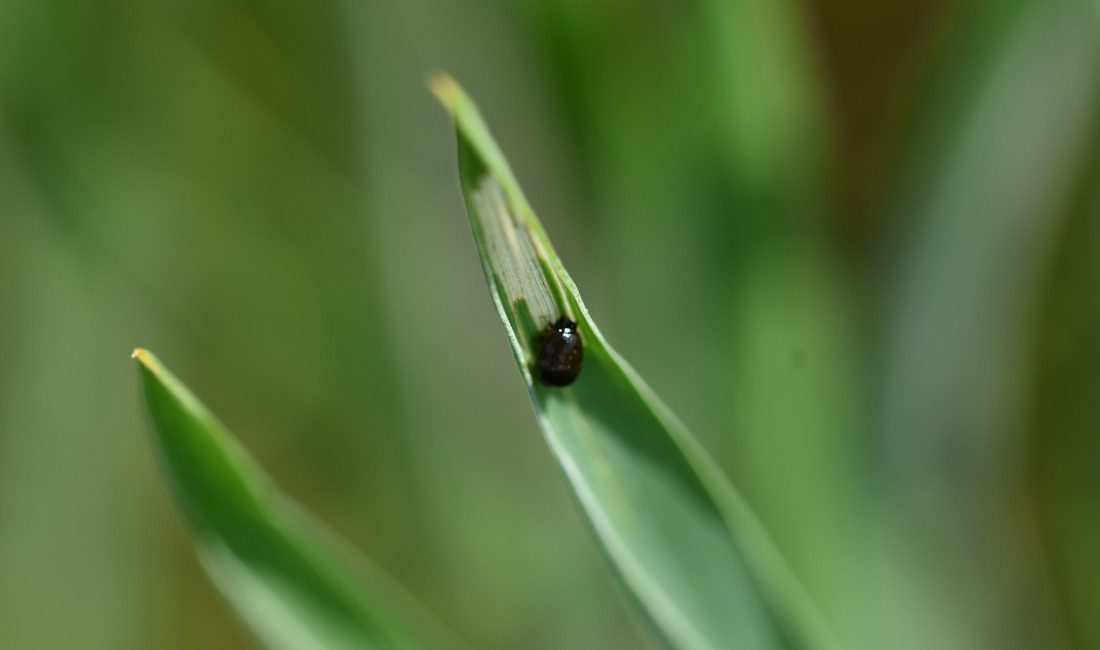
column 295, row 584
column 679, row 536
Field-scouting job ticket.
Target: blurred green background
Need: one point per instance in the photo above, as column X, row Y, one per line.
column 854, row 244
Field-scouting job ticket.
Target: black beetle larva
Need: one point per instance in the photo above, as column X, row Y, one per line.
column 560, row 353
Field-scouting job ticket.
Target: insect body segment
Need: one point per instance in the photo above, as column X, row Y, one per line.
column 560, row 353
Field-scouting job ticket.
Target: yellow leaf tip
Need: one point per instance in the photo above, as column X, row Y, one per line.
column 143, row 356
column 445, row 88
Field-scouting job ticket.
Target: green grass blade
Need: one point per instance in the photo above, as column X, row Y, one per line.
column 681, row 539
column 297, row 586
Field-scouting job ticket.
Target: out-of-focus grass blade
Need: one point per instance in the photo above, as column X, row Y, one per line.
column 790, row 326
column 298, row 587
column 679, row 536
column 1006, row 137
column 1064, row 449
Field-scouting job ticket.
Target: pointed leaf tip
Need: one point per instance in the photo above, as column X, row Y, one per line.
column 445, row 89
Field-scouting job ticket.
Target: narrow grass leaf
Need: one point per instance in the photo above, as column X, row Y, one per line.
column 679, row 536
column 297, row 586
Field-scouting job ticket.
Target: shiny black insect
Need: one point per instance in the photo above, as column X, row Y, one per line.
column 560, row 353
